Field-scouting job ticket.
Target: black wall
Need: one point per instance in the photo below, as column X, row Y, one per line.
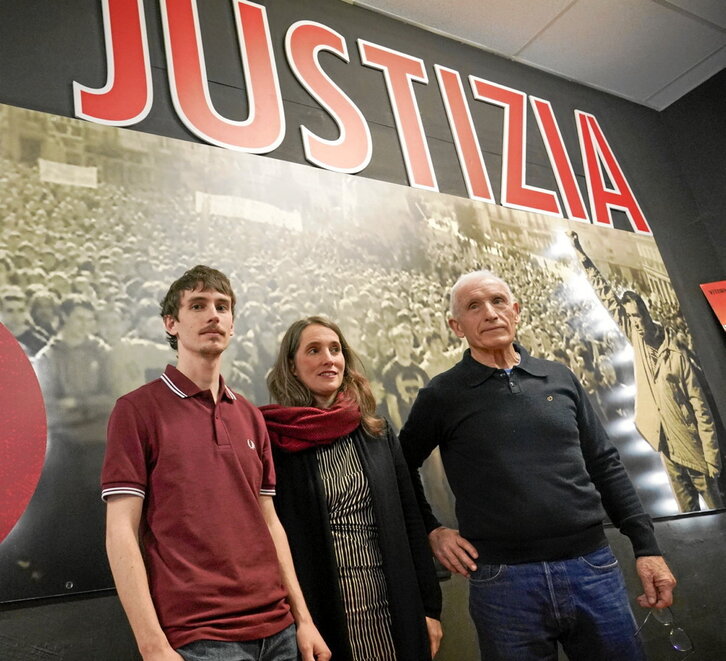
column 697, row 126
column 675, row 161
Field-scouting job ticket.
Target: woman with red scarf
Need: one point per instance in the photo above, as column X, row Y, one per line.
column 345, row 499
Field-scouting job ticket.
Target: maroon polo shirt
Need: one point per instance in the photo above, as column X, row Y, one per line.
column 200, row 468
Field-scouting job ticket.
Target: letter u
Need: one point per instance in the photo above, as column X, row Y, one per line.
column 264, row 128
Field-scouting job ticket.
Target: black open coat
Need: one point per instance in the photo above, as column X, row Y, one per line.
column 413, row 591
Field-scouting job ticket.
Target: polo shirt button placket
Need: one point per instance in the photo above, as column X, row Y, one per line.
column 220, row 435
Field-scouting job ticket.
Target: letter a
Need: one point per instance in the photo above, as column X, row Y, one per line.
column 596, row 155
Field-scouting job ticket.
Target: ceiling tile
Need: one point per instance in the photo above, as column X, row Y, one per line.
column 713, row 11
column 504, row 27
column 688, row 81
column 648, row 51
column 631, row 48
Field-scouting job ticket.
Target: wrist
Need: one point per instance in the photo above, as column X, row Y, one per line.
column 155, row 646
column 301, row 615
column 303, row 621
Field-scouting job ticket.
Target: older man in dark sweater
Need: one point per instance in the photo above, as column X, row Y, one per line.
column 534, row 473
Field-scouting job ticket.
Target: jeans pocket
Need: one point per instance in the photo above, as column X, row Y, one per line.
column 600, row 560
column 485, row 573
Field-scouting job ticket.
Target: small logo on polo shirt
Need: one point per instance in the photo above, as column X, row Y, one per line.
column 251, row 443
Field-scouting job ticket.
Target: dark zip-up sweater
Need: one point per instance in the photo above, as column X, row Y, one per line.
column 530, row 464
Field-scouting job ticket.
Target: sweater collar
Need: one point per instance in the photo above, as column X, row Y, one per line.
column 475, row 373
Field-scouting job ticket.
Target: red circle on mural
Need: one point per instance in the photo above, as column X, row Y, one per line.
column 23, row 431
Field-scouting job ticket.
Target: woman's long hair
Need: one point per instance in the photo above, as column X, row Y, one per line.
column 286, row 389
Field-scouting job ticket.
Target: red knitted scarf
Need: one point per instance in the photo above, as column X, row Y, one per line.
column 296, row 428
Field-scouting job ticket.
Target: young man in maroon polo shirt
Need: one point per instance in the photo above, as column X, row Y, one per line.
column 188, row 473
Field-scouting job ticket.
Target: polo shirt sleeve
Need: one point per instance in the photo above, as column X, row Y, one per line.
column 269, row 479
column 619, row 498
column 419, row 436
column 125, row 464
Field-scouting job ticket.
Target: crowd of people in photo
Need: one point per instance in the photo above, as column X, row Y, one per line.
column 110, row 247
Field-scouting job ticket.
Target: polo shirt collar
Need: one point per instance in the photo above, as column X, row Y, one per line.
column 475, row 373
column 182, row 386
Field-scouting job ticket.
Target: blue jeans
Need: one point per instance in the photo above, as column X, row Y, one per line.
column 522, row 611
column 279, row 647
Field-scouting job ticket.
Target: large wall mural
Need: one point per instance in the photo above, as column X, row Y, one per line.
column 97, row 220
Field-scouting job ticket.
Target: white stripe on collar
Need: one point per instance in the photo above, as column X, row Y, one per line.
column 173, row 387
column 177, row 391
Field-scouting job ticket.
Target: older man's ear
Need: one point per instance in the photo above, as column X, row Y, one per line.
column 454, row 326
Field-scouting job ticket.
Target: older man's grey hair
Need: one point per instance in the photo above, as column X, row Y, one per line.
column 473, row 276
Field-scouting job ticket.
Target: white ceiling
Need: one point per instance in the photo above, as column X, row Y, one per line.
column 648, row 51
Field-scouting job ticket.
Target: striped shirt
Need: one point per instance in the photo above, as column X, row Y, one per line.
column 357, row 551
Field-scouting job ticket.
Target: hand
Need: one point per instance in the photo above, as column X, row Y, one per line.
column 311, row 644
column 453, row 551
column 714, row 471
column 657, row 580
column 575, row 240
column 167, row 654
column 435, row 634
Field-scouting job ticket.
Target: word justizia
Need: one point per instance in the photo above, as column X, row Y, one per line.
column 127, row 96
